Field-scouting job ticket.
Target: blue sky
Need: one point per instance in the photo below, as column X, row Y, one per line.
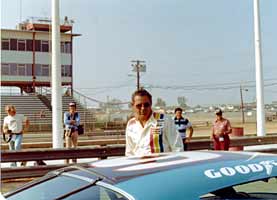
column 190, row 47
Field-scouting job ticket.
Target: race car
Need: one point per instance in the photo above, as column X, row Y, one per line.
column 207, row 175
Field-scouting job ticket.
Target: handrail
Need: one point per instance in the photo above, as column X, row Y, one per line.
column 45, row 145
column 62, row 153
column 193, row 145
column 78, row 95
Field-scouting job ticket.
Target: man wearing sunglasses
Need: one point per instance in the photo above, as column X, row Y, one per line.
column 149, row 132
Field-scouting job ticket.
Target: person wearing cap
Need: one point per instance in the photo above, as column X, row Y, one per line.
column 71, row 122
column 221, row 129
column 182, row 124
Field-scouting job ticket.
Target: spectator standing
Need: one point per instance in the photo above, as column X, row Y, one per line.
column 149, row 132
column 182, row 124
column 71, row 122
column 221, row 129
column 15, row 125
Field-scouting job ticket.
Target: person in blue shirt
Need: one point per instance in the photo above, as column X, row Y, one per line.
column 71, row 122
column 182, row 124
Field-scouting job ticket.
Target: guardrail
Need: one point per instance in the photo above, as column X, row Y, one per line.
column 51, row 154
column 41, row 145
column 58, row 154
column 235, row 142
column 194, row 145
column 100, row 152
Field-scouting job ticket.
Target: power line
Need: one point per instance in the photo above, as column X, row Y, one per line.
column 201, row 87
column 189, row 86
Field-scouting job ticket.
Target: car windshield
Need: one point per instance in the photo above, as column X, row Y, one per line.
column 260, row 189
column 50, row 189
column 65, row 187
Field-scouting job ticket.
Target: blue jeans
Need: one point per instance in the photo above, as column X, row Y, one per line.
column 15, row 144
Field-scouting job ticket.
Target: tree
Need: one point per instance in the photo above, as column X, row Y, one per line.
column 182, row 101
column 160, row 103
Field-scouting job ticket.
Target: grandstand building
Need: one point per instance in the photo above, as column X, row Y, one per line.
column 26, row 64
column 26, row 55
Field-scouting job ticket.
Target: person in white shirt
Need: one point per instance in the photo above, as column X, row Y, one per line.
column 14, row 125
column 148, row 132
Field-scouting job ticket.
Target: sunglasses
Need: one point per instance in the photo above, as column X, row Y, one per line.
column 145, row 105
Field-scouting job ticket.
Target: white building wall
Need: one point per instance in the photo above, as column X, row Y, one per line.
column 30, row 79
column 24, row 57
column 66, row 59
column 39, row 35
column 7, row 34
column 45, row 58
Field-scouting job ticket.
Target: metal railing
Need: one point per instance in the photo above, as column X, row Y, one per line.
column 100, row 152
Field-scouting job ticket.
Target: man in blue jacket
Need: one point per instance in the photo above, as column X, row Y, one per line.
column 71, row 122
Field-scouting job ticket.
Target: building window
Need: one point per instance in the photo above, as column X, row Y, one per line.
column 66, row 70
column 29, row 45
column 13, row 43
column 21, row 45
column 44, row 70
column 38, row 70
column 37, row 45
column 50, row 46
column 67, row 46
column 21, row 70
column 5, row 44
column 13, row 69
column 44, row 46
column 62, row 47
column 5, row 69
column 29, row 69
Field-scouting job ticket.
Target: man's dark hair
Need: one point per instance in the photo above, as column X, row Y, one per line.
column 141, row 92
column 178, row 109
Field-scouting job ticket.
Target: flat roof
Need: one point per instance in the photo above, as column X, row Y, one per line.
column 31, row 31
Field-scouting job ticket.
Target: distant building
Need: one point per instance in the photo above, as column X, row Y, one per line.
column 26, row 55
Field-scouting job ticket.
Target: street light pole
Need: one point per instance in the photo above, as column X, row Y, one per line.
column 261, row 131
column 57, row 127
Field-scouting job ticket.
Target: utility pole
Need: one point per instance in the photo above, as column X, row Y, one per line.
column 241, row 103
column 138, row 67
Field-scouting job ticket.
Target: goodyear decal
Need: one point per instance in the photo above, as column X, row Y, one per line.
column 263, row 166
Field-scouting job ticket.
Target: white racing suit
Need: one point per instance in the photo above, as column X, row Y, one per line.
column 158, row 135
